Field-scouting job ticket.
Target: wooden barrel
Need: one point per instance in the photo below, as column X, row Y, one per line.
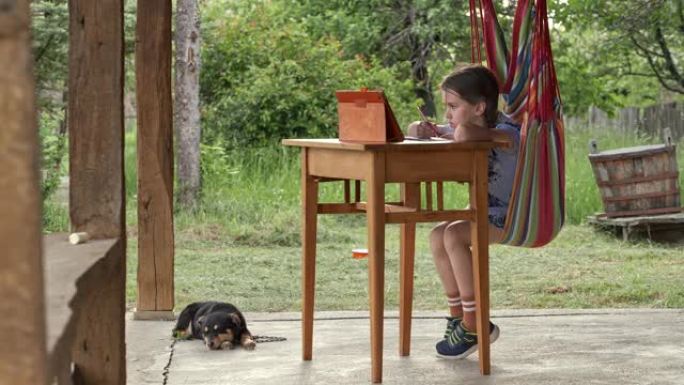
column 640, row 180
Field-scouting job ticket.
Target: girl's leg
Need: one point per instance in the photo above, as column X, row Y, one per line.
column 444, row 269
column 457, row 245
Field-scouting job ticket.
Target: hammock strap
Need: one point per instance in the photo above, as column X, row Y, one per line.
column 475, row 52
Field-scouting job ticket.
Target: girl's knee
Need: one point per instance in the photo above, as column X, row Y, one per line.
column 437, row 232
column 437, row 236
column 457, row 232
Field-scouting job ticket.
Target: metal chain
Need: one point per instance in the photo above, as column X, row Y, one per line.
column 261, row 339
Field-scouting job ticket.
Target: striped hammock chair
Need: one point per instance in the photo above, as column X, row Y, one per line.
column 530, row 91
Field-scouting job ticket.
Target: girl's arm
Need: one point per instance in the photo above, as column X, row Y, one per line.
column 473, row 134
column 477, row 134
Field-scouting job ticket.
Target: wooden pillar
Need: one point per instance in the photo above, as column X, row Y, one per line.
column 155, row 159
column 96, row 189
column 22, row 351
column 96, row 173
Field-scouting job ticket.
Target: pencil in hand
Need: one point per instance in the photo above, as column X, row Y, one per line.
column 425, row 121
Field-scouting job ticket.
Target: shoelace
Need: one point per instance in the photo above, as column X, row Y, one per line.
column 451, row 326
column 455, row 338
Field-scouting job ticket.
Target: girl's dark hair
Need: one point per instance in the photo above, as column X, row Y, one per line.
column 475, row 84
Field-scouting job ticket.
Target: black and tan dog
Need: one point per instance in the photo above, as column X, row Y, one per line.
column 219, row 324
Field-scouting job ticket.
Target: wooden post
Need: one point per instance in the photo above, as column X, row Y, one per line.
column 99, row 349
column 96, row 193
column 96, row 173
column 22, row 352
column 155, row 159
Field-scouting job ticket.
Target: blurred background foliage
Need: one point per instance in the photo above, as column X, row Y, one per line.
column 270, row 68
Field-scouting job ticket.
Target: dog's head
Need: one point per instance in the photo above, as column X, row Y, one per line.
column 220, row 329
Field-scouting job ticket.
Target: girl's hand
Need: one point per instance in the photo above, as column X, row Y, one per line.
column 423, row 130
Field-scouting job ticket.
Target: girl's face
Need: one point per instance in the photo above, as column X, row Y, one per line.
column 460, row 112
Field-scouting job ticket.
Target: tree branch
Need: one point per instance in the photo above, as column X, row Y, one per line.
column 680, row 13
column 641, row 74
column 44, row 48
column 654, row 67
column 398, row 37
column 669, row 63
column 645, row 49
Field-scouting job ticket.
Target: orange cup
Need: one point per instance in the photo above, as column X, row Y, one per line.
column 359, row 253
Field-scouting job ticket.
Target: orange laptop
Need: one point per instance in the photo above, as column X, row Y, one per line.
column 365, row 116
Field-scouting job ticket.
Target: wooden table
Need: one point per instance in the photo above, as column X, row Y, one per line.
column 408, row 163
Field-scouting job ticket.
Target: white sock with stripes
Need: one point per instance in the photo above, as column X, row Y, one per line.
column 469, row 315
column 454, row 301
column 468, row 306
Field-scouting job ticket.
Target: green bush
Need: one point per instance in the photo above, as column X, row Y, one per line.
column 264, row 79
column 53, row 143
column 53, row 149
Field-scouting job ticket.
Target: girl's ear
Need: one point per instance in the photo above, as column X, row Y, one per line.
column 480, row 107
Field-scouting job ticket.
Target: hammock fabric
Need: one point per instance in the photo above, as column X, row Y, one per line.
column 529, row 87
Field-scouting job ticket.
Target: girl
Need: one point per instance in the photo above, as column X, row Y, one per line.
column 471, row 97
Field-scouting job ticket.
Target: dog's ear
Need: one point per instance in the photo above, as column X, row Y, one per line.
column 200, row 320
column 236, row 319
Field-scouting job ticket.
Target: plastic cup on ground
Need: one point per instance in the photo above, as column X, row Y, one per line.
column 359, row 253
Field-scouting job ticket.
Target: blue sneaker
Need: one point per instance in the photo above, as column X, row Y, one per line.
column 461, row 342
column 452, row 322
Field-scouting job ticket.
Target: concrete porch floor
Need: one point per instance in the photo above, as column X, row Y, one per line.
column 602, row 346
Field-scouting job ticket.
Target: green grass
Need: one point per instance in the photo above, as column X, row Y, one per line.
column 580, row 269
column 242, row 243
column 55, row 216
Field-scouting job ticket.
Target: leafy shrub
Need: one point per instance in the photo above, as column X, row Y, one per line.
column 53, row 150
column 264, row 78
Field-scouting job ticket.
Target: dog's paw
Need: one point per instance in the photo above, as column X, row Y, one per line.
column 227, row 345
column 249, row 344
column 181, row 335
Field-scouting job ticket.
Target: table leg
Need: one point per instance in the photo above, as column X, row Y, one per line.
column 309, row 188
column 410, row 195
column 480, row 250
column 375, row 213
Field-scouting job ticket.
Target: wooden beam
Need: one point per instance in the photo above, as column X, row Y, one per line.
column 428, row 216
column 155, row 156
column 97, row 194
column 95, row 123
column 338, row 208
column 22, row 352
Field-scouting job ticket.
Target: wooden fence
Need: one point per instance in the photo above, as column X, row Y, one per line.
column 649, row 120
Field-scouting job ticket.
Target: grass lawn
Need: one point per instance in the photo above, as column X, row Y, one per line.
column 241, row 244
column 580, row 269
